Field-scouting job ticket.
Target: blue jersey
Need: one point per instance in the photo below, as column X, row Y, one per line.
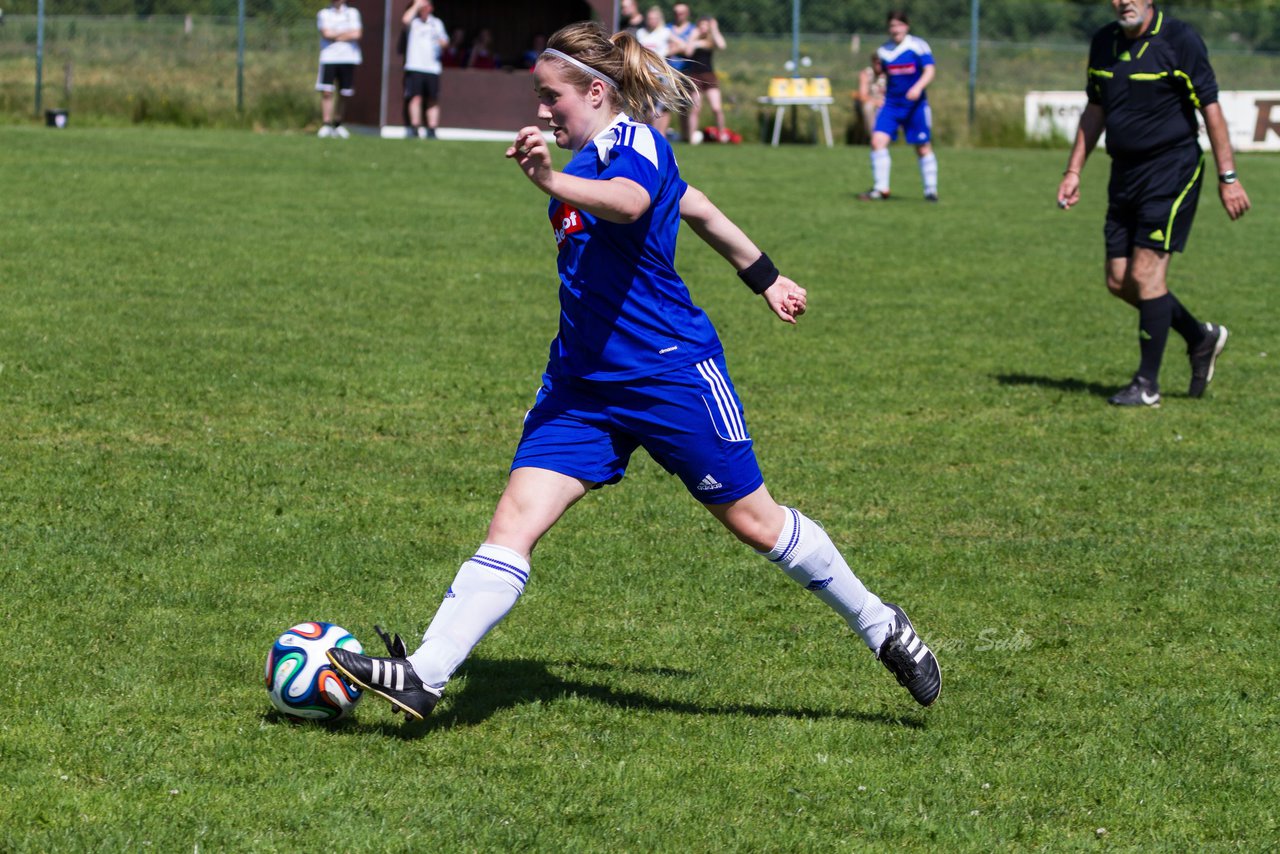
column 624, row 312
column 903, row 66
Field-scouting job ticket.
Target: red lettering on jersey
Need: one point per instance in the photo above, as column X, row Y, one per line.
column 901, row 68
column 565, row 220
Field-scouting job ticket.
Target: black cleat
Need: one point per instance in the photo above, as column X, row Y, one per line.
column 874, row 195
column 1204, row 357
column 1140, row 392
column 930, row 197
column 911, row 662
column 392, row 679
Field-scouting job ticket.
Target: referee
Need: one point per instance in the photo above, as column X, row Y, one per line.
column 1148, row 74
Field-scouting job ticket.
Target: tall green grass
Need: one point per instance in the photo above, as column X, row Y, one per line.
column 248, row 380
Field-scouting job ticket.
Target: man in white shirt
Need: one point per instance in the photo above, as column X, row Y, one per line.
column 427, row 38
column 657, row 36
column 340, row 30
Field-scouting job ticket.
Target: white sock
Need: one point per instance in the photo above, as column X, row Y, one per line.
column 880, row 163
column 486, row 587
column 929, row 173
column 806, row 554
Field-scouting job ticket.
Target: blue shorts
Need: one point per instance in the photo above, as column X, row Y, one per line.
column 913, row 117
column 689, row 420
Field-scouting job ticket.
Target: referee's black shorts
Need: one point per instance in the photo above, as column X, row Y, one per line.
column 1153, row 201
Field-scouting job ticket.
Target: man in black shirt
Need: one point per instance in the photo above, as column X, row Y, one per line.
column 1148, row 74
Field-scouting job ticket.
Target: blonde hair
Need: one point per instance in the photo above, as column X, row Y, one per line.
column 646, row 82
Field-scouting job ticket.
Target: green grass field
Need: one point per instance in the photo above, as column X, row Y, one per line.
column 249, row 380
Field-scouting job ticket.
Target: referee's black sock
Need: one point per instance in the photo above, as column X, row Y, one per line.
column 1185, row 324
column 1154, row 318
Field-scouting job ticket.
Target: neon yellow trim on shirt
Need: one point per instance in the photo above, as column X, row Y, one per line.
column 1195, row 99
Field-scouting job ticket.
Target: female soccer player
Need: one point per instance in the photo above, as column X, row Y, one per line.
column 909, row 69
column 635, row 364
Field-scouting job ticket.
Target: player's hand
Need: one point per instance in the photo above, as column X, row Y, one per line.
column 532, row 155
column 1234, row 199
column 1069, row 190
column 787, row 299
column 913, row 94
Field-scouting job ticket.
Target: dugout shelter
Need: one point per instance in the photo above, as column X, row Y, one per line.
column 470, row 99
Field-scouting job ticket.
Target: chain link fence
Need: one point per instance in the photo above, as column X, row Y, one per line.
column 111, row 62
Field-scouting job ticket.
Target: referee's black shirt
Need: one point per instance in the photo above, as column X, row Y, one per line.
column 1150, row 87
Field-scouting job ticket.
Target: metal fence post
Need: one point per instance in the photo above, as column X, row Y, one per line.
column 240, row 56
column 795, row 38
column 39, row 56
column 973, row 57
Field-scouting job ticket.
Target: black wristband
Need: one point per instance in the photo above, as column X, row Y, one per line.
column 761, row 275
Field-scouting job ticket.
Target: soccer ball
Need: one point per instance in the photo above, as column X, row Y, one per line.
column 301, row 682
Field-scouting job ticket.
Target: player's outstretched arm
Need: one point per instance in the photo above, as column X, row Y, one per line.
column 785, row 298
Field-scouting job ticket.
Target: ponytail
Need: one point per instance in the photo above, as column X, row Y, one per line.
column 646, row 83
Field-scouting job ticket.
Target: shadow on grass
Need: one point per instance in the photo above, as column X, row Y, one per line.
column 492, row 686
column 1061, row 384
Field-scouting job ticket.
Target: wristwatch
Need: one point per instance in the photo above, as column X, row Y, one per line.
column 1228, row 177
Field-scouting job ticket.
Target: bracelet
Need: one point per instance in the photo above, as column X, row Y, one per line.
column 1228, row 177
column 1076, row 172
column 761, row 275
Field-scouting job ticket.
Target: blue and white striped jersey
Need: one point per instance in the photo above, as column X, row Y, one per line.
column 903, row 65
column 624, row 311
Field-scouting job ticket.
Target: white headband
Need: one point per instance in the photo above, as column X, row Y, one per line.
column 599, row 75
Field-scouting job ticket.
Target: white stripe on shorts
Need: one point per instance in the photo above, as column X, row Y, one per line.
column 724, row 400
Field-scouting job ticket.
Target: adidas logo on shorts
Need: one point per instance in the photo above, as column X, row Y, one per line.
column 709, row 483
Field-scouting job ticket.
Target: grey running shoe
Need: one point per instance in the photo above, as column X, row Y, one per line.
column 911, row 662
column 392, row 679
column 1204, row 357
column 1139, row 392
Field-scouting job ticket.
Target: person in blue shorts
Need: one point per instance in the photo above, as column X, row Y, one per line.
column 909, row 69
column 636, row 364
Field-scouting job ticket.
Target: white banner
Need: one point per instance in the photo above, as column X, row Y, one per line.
column 1253, row 118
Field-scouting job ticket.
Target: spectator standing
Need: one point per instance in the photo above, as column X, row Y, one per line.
column 682, row 29
column 1148, row 74
column 871, row 88
column 629, row 18
column 635, row 364
column 422, row 66
column 703, row 43
column 655, row 35
column 681, row 51
column 909, row 69
column 340, row 31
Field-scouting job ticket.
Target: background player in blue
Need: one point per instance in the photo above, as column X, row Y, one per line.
column 1148, row 74
column 635, row 364
column 909, row 69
